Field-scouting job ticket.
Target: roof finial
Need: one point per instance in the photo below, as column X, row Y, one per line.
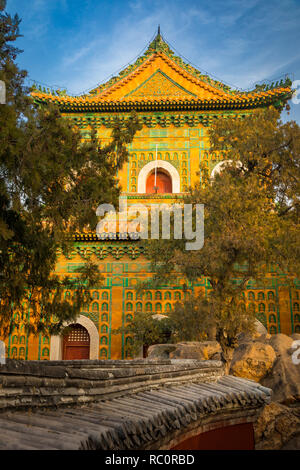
column 158, row 30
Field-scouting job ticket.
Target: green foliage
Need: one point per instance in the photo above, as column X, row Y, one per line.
column 251, row 221
column 146, row 329
column 50, row 185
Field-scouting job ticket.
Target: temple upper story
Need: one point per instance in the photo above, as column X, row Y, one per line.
column 161, row 81
column 176, row 104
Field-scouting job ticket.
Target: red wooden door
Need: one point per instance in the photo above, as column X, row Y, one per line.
column 76, row 344
column 163, row 183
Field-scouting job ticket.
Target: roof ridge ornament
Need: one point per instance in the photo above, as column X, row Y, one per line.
column 159, row 44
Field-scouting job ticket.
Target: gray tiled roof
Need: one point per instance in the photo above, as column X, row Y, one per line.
column 166, row 399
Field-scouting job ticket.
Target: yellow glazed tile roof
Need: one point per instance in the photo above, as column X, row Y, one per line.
column 159, row 79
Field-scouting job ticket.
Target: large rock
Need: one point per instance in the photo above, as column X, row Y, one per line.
column 277, row 427
column 160, row 351
column 284, row 379
column 187, row 350
column 260, row 328
column 296, row 336
column 253, row 360
column 196, row 350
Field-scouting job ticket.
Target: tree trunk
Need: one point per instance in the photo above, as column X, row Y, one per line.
column 228, row 345
column 226, row 357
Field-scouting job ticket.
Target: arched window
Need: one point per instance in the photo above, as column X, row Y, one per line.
column 177, row 295
column 15, row 340
column 157, row 295
column 104, row 317
column 297, row 295
column 148, row 307
column 251, row 307
column 46, row 340
column 139, row 306
column 104, row 295
column 14, row 352
column 168, row 307
column 296, row 307
column 271, row 295
column 297, row 318
column 22, row 340
column 129, row 306
column 261, row 296
column 22, row 353
column 167, row 295
column 158, row 307
column 251, row 296
column 95, row 295
column 273, row 330
column 128, row 340
column 104, row 329
column 261, row 307
column 272, row 318
column 45, row 352
column 104, row 306
column 103, row 340
column 148, row 295
column 129, row 296
column 138, row 295
column 103, row 353
column 129, row 317
column 95, row 307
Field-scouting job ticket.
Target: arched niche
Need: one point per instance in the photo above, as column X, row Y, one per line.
column 56, row 342
column 162, row 166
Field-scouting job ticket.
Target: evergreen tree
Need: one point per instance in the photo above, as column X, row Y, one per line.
column 50, row 185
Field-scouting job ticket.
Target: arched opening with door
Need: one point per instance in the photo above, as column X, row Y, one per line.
column 167, row 178
column 76, row 344
column 162, row 183
column 57, row 342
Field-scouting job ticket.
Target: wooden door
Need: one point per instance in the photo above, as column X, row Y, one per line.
column 76, row 345
column 163, row 183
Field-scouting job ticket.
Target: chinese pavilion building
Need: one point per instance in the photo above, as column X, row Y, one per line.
column 176, row 104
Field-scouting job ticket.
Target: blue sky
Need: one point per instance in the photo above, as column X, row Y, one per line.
column 75, row 44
